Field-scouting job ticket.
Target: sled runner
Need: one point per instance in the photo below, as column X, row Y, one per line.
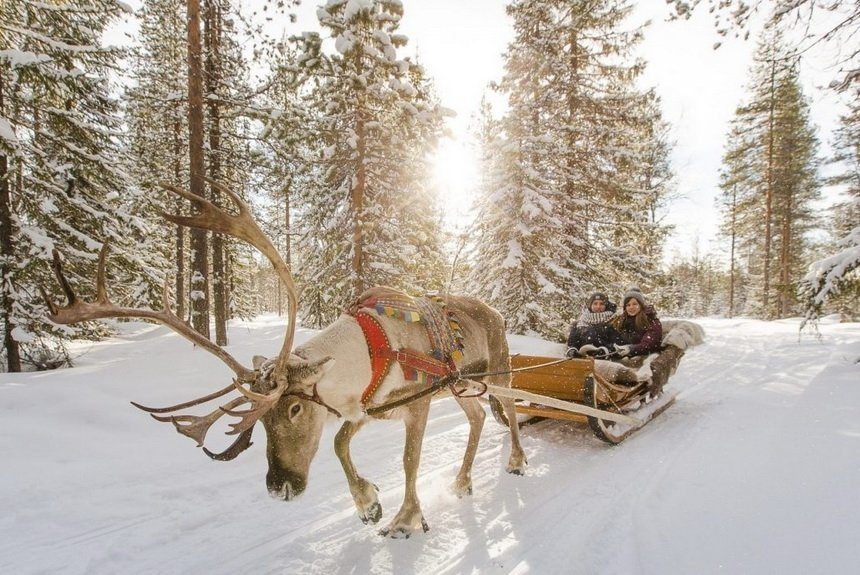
column 614, row 399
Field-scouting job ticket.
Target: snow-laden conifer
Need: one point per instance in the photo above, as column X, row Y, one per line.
column 576, row 184
column 64, row 183
column 367, row 216
column 834, row 279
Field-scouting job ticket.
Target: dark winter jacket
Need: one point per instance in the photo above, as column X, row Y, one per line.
column 643, row 341
column 593, row 328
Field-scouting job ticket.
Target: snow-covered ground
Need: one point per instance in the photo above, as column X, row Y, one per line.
column 754, row 469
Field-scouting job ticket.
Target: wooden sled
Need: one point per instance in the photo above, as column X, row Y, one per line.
column 573, row 390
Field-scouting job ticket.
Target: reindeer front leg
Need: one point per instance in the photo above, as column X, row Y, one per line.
column 363, row 491
column 410, row 518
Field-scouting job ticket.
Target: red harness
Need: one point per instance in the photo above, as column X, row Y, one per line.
column 382, row 356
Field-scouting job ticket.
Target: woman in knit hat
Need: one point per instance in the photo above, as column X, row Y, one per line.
column 638, row 325
column 591, row 334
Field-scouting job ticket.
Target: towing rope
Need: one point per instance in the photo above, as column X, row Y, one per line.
column 450, row 381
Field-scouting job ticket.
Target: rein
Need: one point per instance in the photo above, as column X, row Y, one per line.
column 451, row 381
column 316, row 399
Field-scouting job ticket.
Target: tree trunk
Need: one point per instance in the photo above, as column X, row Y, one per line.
column 785, row 261
column 287, row 235
column 7, row 251
column 212, row 27
column 357, row 205
column 734, row 235
column 180, row 230
column 199, row 294
column 768, row 210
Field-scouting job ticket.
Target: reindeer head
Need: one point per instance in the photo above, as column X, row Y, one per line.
column 294, row 425
column 280, row 392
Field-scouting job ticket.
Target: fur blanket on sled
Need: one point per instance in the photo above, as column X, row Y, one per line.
column 678, row 336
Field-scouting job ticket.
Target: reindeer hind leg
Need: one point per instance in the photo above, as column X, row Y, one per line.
column 517, row 462
column 475, row 414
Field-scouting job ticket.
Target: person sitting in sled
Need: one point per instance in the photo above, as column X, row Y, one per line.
column 592, row 334
column 638, row 326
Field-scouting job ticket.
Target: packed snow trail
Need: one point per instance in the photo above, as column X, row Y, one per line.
column 753, row 469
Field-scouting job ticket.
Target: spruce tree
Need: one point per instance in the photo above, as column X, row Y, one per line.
column 64, row 181
column 578, row 178
column 366, row 216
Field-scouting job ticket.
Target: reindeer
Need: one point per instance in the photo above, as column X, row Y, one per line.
column 294, row 393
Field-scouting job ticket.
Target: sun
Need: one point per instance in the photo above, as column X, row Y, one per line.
column 455, row 175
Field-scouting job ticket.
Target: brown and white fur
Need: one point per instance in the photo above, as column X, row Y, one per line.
column 342, row 372
column 293, row 392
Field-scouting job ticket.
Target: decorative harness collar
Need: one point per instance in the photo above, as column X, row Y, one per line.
column 382, row 356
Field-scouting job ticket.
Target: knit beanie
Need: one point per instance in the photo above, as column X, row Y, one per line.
column 634, row 293
column 597, row 296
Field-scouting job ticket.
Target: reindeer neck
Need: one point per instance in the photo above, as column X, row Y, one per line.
column 342, row 386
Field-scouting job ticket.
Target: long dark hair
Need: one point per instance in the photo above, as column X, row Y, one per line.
column 641, row 321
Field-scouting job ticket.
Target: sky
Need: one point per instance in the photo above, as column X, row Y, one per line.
column 461, row 45
column 753, row 469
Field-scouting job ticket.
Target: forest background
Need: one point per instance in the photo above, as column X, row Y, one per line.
column 330, row 131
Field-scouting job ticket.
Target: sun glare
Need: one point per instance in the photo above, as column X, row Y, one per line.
column 455, row 171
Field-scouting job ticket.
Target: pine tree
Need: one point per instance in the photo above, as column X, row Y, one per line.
column 770, row 180
column 834, row 278
column 158, row 129
column 64, row 184
column 366, row 218
column 158, row 113
column 581, row 167
column 288, row 156
column 739, row 223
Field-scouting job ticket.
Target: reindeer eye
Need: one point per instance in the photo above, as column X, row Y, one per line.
column 295, row 410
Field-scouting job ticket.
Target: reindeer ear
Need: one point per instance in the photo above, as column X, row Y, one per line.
column 309, row 372
column 258, row 361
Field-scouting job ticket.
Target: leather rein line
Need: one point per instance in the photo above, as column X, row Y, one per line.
column 451, row 381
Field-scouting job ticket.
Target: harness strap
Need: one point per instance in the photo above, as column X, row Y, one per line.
column 377, row 346
column 316, row 399
column 418, row 360
column 382, row 356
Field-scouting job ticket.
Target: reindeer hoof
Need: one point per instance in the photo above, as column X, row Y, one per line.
column 398, row 533
column 461, row 490
column 373, row 514
column 402, row 532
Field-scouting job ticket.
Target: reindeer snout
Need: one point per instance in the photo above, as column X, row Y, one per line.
column 285, row 486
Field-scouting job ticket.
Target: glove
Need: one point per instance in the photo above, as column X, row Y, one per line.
column 622, row 350
column 594, row 351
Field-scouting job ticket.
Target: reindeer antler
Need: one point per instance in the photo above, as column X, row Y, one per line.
column 243, row 226
column 210, row 217
column 77, row 310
